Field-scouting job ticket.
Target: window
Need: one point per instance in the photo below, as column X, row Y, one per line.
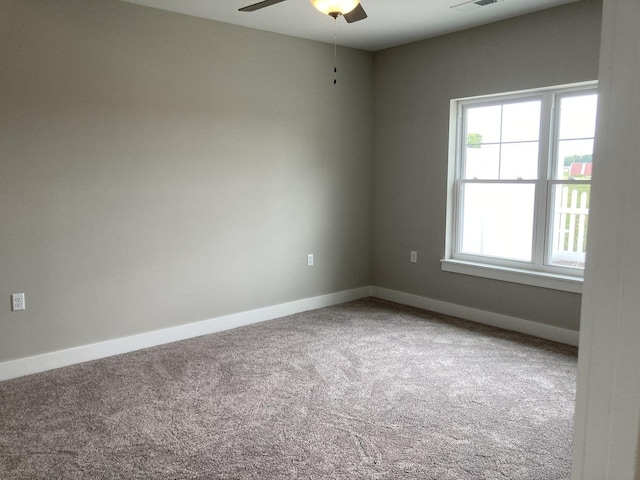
column 520, row 171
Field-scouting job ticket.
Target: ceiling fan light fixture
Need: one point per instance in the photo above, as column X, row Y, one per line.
column 335, row 7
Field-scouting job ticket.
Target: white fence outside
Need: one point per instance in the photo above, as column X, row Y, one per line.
column 570, row 227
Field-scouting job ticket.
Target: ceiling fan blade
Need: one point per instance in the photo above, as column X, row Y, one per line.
column 259, row 5
column 356, row 14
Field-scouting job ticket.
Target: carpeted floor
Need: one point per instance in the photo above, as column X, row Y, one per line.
column 363, row 390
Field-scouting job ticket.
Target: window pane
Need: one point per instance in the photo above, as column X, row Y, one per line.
column 497, row 220
column 482, row 162
column 521, row 121
column 519, row 160
column 483, row 124
column 578, row 116
column 570, row 213
column 574, row 159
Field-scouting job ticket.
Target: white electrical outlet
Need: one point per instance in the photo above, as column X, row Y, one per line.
column 414, row 257
column 17, row 302
column 310, row 260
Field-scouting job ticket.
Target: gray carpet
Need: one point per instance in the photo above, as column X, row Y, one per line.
column 363, row 390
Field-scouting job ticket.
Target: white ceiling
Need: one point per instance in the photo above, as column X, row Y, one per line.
column 390, row 22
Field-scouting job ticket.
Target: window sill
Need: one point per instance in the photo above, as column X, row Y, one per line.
column 514, row 275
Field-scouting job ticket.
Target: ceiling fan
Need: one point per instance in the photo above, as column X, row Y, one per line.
column 351, row 10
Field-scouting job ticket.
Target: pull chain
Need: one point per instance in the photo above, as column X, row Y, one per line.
column 335, row 49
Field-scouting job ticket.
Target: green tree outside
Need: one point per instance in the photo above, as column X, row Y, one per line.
column 474, row 140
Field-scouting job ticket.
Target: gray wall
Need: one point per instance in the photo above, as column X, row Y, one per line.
column 413, row 87
column 159, row 169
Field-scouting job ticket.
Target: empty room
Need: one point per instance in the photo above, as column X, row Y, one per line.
column 319, row 240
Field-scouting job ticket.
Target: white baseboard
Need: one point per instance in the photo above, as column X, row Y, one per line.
column 549, row 332
column 94, row 351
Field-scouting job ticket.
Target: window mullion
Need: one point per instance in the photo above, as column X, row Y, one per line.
column 542, row 187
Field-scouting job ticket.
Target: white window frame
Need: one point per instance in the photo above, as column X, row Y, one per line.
column 536, row 272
